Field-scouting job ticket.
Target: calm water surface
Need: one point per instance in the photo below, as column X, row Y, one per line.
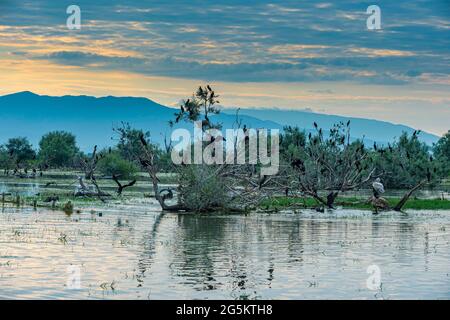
column 132, row 251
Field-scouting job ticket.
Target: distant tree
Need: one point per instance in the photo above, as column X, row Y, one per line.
column 406, row 162
column 58, row 149
column 6, row 161
column 20, row 150
column 111, row 164
column 129, row 145
column 292, row 141
column 442, row 153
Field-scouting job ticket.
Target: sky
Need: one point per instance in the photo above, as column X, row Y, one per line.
column 293, row 54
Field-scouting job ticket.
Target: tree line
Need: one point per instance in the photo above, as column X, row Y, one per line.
column 319, row 164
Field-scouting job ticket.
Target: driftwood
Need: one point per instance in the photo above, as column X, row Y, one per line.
column 383, row 204
column 405, row 198
column 121, row 187
column 89, row 168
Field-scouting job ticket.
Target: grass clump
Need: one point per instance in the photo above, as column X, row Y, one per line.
column 354, row 203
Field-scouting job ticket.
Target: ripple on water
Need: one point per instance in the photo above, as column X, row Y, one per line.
column 133, row 251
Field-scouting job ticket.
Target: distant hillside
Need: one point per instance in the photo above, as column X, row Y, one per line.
column 92, row 119
column 375, row 130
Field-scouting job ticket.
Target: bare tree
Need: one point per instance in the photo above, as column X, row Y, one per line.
column 89, row 165
column 121, row 186
column 332, row 164
column 202, row 187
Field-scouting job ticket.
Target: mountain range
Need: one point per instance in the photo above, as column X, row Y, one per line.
column 92, row 119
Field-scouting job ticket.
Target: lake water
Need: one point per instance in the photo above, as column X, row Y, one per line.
column 132, row 251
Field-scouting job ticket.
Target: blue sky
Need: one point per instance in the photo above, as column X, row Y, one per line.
column 286, row 54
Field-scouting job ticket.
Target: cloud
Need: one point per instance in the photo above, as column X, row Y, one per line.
column 251, row 41
column 258, row 48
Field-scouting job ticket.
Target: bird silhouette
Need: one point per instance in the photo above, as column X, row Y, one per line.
column 142, row 138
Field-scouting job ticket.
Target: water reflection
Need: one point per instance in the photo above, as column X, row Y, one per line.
column 147, row 254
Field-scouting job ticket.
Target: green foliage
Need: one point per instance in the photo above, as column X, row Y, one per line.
column 291, row 142
column 130, row 145
column 58, row 149
column 201, row 189
column 20, row 150
column 113, row 164
column 6, row 162
column 199, row 107
column 442, row 154
column 406, row 162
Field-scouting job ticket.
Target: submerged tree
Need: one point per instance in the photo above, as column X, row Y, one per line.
column 89, row 167
column 203, row 187
column 332, row 164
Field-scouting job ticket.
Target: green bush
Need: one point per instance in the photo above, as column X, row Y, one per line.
column 58, row 149
column 113, row 163
column 201, row 189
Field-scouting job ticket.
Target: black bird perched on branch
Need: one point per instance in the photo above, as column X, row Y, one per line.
column 296, row 163
column 262, row 181
column 142, row 138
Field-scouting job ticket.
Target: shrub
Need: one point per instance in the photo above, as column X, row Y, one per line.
column 58, row 149
column 113, row 163
column 202, row 189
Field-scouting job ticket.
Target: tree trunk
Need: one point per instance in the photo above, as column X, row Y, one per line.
column 121, row 187
column 407, row 195
column 330, row 199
